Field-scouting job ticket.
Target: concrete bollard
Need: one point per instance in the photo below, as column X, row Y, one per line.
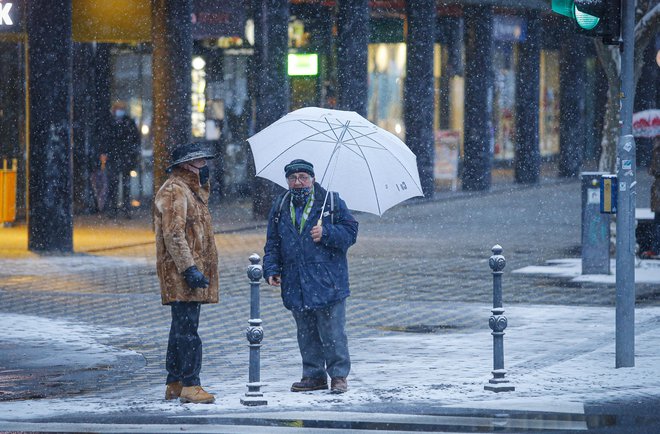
column 498, row 323
column 255, row 334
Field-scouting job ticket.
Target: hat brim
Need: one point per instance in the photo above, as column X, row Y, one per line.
column 192, row 156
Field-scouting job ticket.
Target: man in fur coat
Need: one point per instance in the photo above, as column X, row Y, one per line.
column 187, row 265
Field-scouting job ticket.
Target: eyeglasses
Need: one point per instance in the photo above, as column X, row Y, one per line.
column 303, row 179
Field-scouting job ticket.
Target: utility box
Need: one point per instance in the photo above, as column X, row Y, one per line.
column 595, row 226
column 8, row 192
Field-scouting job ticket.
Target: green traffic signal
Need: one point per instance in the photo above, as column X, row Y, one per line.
column 584, row 20
column 593, row 17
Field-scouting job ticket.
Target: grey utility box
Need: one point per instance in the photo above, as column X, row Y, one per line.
column 595, row 227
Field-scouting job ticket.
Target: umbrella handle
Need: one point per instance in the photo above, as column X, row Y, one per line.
column 320, row 222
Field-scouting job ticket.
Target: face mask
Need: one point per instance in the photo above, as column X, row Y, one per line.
column 300, row 195
column 119, row 113
column 203, row 175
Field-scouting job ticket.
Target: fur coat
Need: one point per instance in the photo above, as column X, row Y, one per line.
column 184, row 237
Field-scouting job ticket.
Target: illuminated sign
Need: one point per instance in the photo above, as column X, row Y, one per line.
column 11, row 17
column 303, row 64
column 5, row 18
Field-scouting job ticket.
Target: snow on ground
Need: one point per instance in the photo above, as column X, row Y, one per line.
column 70, row 264
column 557, row 357
column 646, row 271
column 58, row 342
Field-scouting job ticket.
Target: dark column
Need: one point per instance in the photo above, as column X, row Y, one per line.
column 84, row 106
column 450, row 34
column 572, row 121
column 479, row 80
column 102, row 71
column 352, row 46
column 419, row 88
column 50, row 217
column 271, row 39
column 527, row 162
column 172, row 57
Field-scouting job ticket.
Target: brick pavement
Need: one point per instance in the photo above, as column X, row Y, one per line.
column 420, row 267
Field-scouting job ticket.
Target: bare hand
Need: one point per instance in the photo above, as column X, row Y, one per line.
column 317, row 233
column 274, row 280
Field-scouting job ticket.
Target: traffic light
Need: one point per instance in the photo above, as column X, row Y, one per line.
column 598, row 18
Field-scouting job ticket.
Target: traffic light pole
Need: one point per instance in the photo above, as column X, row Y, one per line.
column 625, row 222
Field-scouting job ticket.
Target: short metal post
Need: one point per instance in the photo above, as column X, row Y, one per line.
column 498, row 323
column 255, row 334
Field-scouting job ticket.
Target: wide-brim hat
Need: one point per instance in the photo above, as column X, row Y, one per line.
column 189, row 152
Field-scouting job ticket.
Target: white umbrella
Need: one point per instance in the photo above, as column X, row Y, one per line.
column 370, row 168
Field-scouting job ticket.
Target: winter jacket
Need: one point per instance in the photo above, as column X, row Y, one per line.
column 314, row 275
column 654, row 169
column 184, row 237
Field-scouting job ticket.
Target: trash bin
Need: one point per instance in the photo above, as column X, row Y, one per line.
column 8, row 192
column 595, row 227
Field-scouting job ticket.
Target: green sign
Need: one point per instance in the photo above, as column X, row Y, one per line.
column 303, row 64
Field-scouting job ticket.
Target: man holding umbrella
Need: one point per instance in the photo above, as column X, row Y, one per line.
column 305, row 253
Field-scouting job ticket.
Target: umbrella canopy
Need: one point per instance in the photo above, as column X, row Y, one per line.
column 646, row 123
column 369, row 167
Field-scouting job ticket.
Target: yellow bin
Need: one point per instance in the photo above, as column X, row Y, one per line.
column 8, row 192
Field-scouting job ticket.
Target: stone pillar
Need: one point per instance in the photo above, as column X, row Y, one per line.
column 50, row 216
column 478, row 140
column 571, row 106
column 419, row 89
column 171, row 33
column 352, row 50
column 527, row 162
column 271, row 39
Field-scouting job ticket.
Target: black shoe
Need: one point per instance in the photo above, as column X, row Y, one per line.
column 338, row 385
column 307, row 384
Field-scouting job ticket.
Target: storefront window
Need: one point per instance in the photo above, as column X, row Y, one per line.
column 387, row 69
column 504, row 103
column 549, row 101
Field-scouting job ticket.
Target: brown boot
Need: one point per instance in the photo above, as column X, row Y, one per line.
column 173, row 390
column 196, row 395
column 338, row 385
column 308, row 384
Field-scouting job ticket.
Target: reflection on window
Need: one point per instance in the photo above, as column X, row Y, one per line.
column 387, row 69
column 549, row 101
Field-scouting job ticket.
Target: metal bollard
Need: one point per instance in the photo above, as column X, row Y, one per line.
column 255, row 333
column 498, row 323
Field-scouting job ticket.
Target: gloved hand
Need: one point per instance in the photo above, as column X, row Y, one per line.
column 195, row 278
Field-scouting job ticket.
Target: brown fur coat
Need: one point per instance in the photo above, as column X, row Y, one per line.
column 184, row 237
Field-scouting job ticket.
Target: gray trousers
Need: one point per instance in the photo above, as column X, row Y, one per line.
column 322, row 341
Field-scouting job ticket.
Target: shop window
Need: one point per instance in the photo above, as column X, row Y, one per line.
column 549, row 104
column 387, row 69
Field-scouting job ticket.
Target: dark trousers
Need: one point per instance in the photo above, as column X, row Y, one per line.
column 322, row 341
column 184, row 349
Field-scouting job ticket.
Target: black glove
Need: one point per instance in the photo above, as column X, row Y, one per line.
column 194, row 278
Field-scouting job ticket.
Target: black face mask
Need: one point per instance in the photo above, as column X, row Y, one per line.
column 203, row 175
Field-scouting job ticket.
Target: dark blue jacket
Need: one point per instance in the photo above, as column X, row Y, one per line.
column 314, row 275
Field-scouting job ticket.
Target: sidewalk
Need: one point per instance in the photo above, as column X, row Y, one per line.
column 87, row 333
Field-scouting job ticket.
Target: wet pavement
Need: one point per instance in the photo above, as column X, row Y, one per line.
column 421, row 269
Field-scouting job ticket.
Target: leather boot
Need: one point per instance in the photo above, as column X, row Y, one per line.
column 338, row 385
column 196, row 395
column 173, row 390
column 307, row 384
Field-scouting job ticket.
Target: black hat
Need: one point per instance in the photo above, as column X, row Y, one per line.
column 299, row 166
column 189, row 152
